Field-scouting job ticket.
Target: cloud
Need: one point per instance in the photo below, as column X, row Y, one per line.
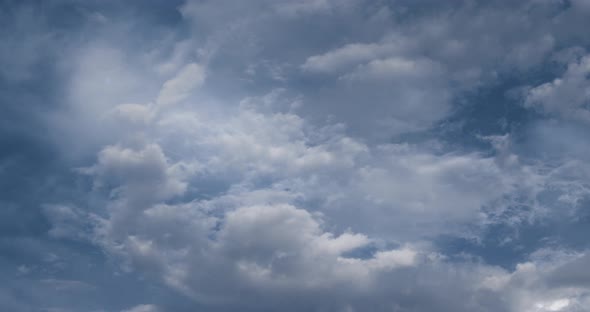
column 180, row 87
column 139, row 173
column 267, row 201
column 567, row 96
column 283, row 183
column 143, row 308
column 344, row 57
column 271, row 155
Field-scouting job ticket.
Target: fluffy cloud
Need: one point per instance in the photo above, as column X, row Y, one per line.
column 279, row 179
column 313, row 155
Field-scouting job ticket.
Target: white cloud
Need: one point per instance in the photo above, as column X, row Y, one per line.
column 190, row 78
column 567, row 96
column 248, row 204
column 139, row 174
column 143, row 308
column 288, row 205
column 348, row 56
column 257, row 231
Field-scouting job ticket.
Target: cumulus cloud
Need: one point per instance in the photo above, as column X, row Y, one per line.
column 279, row 178
column 315, row 155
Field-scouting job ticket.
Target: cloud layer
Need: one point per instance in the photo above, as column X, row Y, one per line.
column 294, row 156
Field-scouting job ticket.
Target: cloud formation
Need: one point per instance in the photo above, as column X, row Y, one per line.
column 309, row 155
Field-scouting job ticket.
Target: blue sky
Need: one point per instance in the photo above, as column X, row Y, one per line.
column 310, row 155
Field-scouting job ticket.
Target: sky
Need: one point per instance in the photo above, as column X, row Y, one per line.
column 294, row 155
